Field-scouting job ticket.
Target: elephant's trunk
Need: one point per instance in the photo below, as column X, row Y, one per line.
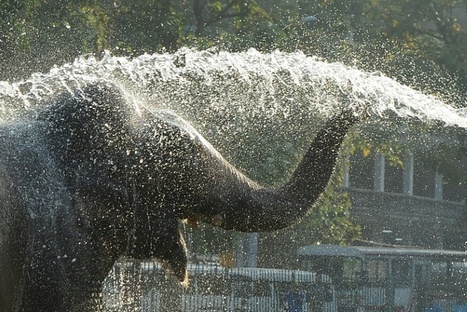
column 254, row 209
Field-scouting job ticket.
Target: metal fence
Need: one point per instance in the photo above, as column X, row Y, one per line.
column 145, row 286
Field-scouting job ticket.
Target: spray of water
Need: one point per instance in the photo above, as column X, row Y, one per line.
column 241, row 85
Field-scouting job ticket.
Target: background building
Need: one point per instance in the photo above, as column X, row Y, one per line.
column 412, row 205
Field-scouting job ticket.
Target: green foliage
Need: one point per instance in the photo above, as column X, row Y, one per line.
column 330, row 220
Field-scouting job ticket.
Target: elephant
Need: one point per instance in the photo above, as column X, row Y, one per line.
column 92, row 177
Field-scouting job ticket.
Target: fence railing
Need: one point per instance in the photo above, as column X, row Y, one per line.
column 145, row 286
column 135, row 286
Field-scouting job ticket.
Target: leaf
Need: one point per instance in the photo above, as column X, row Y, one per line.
column 366, row 151
column 217, row 6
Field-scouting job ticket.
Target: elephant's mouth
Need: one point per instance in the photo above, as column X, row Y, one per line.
column 215, row 220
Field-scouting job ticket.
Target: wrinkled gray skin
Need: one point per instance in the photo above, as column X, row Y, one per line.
column 92, row 179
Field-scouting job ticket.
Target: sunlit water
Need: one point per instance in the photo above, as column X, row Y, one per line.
column 247, row 83
column 234, row 97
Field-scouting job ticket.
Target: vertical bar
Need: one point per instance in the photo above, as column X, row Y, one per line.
column 438, row 186
column 252, row 250
column 346, row 169
column 407, row 185
column 390, row 288
column 378, row 176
